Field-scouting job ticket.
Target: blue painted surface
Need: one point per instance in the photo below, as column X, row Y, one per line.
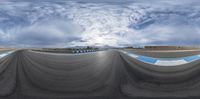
column 152, row 60
column 191, row 58
column 147, row 59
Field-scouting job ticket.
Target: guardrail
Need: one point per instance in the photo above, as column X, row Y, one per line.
column 83, row 51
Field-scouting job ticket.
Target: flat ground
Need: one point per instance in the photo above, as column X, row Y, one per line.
column 3, row 50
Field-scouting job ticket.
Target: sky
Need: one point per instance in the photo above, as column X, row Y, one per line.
column 117, row 23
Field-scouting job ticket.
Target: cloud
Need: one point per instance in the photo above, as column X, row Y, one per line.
column 169, row 35
column 56, row 33
column 116, row 1
column 55, row 24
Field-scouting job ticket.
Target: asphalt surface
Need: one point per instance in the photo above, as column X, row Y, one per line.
column 101, row 75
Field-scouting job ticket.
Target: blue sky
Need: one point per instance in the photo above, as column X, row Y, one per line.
column 46, row 23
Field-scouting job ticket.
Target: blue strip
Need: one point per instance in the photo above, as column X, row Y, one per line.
column 154, row 60
column 191, row 58
column 147, row 59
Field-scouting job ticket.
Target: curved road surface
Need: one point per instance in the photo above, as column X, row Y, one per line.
column 102, row 75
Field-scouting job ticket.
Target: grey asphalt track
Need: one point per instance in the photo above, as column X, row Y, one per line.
column 102, row 75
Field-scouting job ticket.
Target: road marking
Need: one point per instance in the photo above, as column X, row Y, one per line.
column 147, row 59
column 170, row 62
column 191, row 58
column 164, row 61
column 5, row 54
column 2, row 55
column 133, row 55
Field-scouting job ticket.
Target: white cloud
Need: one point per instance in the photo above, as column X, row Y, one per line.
column 75, row 24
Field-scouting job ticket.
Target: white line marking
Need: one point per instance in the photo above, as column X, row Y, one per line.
column 133, row 55
column 5, row 54
column 2, row 55
column 162, row 62
column 170, row 62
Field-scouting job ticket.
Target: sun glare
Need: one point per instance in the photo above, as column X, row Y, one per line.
column 99, row 40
